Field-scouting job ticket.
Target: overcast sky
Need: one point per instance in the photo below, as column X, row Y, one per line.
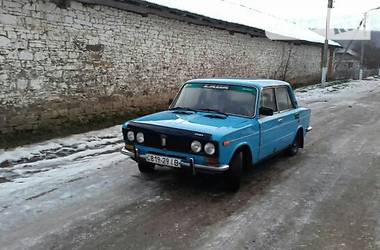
column 312, row 13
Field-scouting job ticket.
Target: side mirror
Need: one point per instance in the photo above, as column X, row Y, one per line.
column 266, row 111
column 170, row 102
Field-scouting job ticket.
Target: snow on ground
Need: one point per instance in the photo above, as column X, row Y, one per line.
column 63, row 159
column 81, row 176
column 314, row 93
column 63, row 146
column 32, row 170
column 37, row 170
column 65, row 173
column 22, row 161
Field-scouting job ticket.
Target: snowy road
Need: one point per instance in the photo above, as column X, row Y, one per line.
column 80, row 192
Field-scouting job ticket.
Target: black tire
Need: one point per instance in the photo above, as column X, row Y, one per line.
column 233, row 174
column 146, row 167
column 293, row 149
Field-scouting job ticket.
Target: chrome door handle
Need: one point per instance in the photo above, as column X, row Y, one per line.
column 279, row 120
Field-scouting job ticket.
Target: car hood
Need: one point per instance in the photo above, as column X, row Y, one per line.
column 201, row 122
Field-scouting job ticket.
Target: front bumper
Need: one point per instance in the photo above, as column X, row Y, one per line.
column 221, row 168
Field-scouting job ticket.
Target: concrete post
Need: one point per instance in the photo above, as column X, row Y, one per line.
column 362, row 50
column 326, row 46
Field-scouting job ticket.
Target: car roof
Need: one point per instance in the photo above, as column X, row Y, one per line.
column 258, row 83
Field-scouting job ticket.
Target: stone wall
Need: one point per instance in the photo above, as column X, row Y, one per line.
column 88, row 62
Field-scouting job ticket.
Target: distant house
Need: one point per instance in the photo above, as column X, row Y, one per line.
column 349, row 64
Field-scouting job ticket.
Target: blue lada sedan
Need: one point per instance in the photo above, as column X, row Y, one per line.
column 219, row 126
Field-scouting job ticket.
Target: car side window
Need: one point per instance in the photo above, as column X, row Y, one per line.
column 283, row 99
column 267, row 99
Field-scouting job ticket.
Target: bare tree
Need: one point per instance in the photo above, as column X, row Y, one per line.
column 285, row 62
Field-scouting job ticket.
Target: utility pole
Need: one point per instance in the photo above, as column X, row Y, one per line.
column 326, row 46
column 362, row 49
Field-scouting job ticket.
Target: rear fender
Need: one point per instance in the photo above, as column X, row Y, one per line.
column 302, row 132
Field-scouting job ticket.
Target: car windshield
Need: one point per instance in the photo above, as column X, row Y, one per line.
column 221, row 98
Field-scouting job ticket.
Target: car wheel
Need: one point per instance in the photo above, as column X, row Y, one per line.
column 145, row 167
column 233, row 175
column 293, row 149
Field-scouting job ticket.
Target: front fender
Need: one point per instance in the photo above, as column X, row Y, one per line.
column 243, row 145
column 248, row 137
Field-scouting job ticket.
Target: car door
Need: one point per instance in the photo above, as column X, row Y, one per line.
column 288, row 117
column 270, row 131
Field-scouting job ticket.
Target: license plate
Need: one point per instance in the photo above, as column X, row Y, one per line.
column 163, row 160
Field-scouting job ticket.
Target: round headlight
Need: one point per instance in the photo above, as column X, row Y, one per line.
column 140, row 137
column 196, row 146
column 131, row 136
column 210, row 148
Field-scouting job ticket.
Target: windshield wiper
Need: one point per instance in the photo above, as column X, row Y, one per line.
column 214, row 111
column 184, row 108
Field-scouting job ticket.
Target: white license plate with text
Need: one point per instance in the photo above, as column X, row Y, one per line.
column 163, row 160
